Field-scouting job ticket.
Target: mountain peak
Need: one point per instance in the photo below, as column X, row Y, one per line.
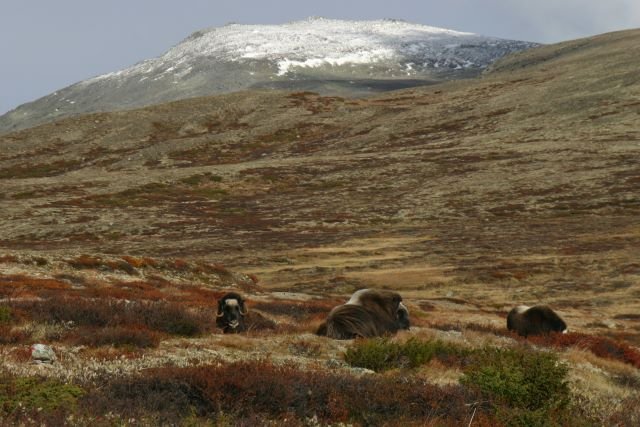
column 317, row 41
column 315, row 50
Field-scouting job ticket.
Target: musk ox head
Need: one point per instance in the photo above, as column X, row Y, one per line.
column 369, row 313
column 231, row 313
column 536, row 320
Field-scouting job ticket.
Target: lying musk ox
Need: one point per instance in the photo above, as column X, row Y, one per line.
column 234, row 317
column 369, row 313
column 536, row 320
column 231, row 313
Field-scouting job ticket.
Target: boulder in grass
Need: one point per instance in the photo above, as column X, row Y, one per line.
column 42, row 353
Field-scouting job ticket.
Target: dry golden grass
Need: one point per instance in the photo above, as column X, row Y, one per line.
column 601, row 386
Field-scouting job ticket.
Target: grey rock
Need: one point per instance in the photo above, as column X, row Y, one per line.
column 42, row 353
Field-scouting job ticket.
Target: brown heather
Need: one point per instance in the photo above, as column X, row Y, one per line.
column 260, row 390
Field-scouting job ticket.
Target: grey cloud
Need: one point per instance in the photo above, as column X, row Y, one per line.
column 555, row 20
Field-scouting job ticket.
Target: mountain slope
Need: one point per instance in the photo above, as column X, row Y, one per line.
column 330, row 56
column 525, row 177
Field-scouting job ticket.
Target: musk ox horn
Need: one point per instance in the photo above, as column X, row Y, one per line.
column 220, row 313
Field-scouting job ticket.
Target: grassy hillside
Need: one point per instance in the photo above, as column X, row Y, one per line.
column 468, row 198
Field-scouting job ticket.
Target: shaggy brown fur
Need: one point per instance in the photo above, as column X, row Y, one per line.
column 231, row 313
column 234, row 317
column 534, row 321
column 369, row 313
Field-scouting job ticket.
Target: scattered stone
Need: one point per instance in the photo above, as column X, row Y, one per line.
column 362, row 371
column 335, row 364
column 610, row 324
column 42, row 353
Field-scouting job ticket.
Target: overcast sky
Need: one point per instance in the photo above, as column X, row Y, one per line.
column 49, row 44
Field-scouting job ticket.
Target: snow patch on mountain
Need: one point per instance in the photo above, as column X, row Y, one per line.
column 317, row 42
column 328, row 56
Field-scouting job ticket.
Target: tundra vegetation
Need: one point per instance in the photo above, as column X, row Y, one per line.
column 119, row 232
column 147, row 351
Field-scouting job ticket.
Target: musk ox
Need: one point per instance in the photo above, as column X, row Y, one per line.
column 369, row 313
column 234, row 317
column 536, row 320
column 231, row 313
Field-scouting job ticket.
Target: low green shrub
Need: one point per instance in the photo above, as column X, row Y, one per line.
column 522, row 387
column 201, row 178
column 521, row 378
column 381, row 354
column 5, row 314
column 526, row 387
column 376, row 354
column 36, row 394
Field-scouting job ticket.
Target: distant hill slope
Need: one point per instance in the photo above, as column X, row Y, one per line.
column 329, row 56
column 525, row 180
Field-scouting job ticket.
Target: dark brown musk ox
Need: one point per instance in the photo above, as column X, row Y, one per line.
column 369, row 313
column 234, row 317
column 536, row 320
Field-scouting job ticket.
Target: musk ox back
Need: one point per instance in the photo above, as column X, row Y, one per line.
column 536, row 320
column 369, row 313
column 234, row 317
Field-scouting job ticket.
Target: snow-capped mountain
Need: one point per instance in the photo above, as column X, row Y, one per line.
column 326, row 55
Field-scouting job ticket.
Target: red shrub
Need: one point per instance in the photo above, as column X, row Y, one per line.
column 10, row 335
column 136, row 290
column 118, row 336
column 259, row 391
column 86, row 262
column 121, row 265
column 80, row 311
column 296, row 309
column 9, row 259
column 171, row 318
column 163, row 317
column 21, row 354
column 112, row 353
column 600, row 346
column 201, row 297
column 180, row 265
column 140, row 262
column 152, row 395
column 631, row 355
column 10, row 284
